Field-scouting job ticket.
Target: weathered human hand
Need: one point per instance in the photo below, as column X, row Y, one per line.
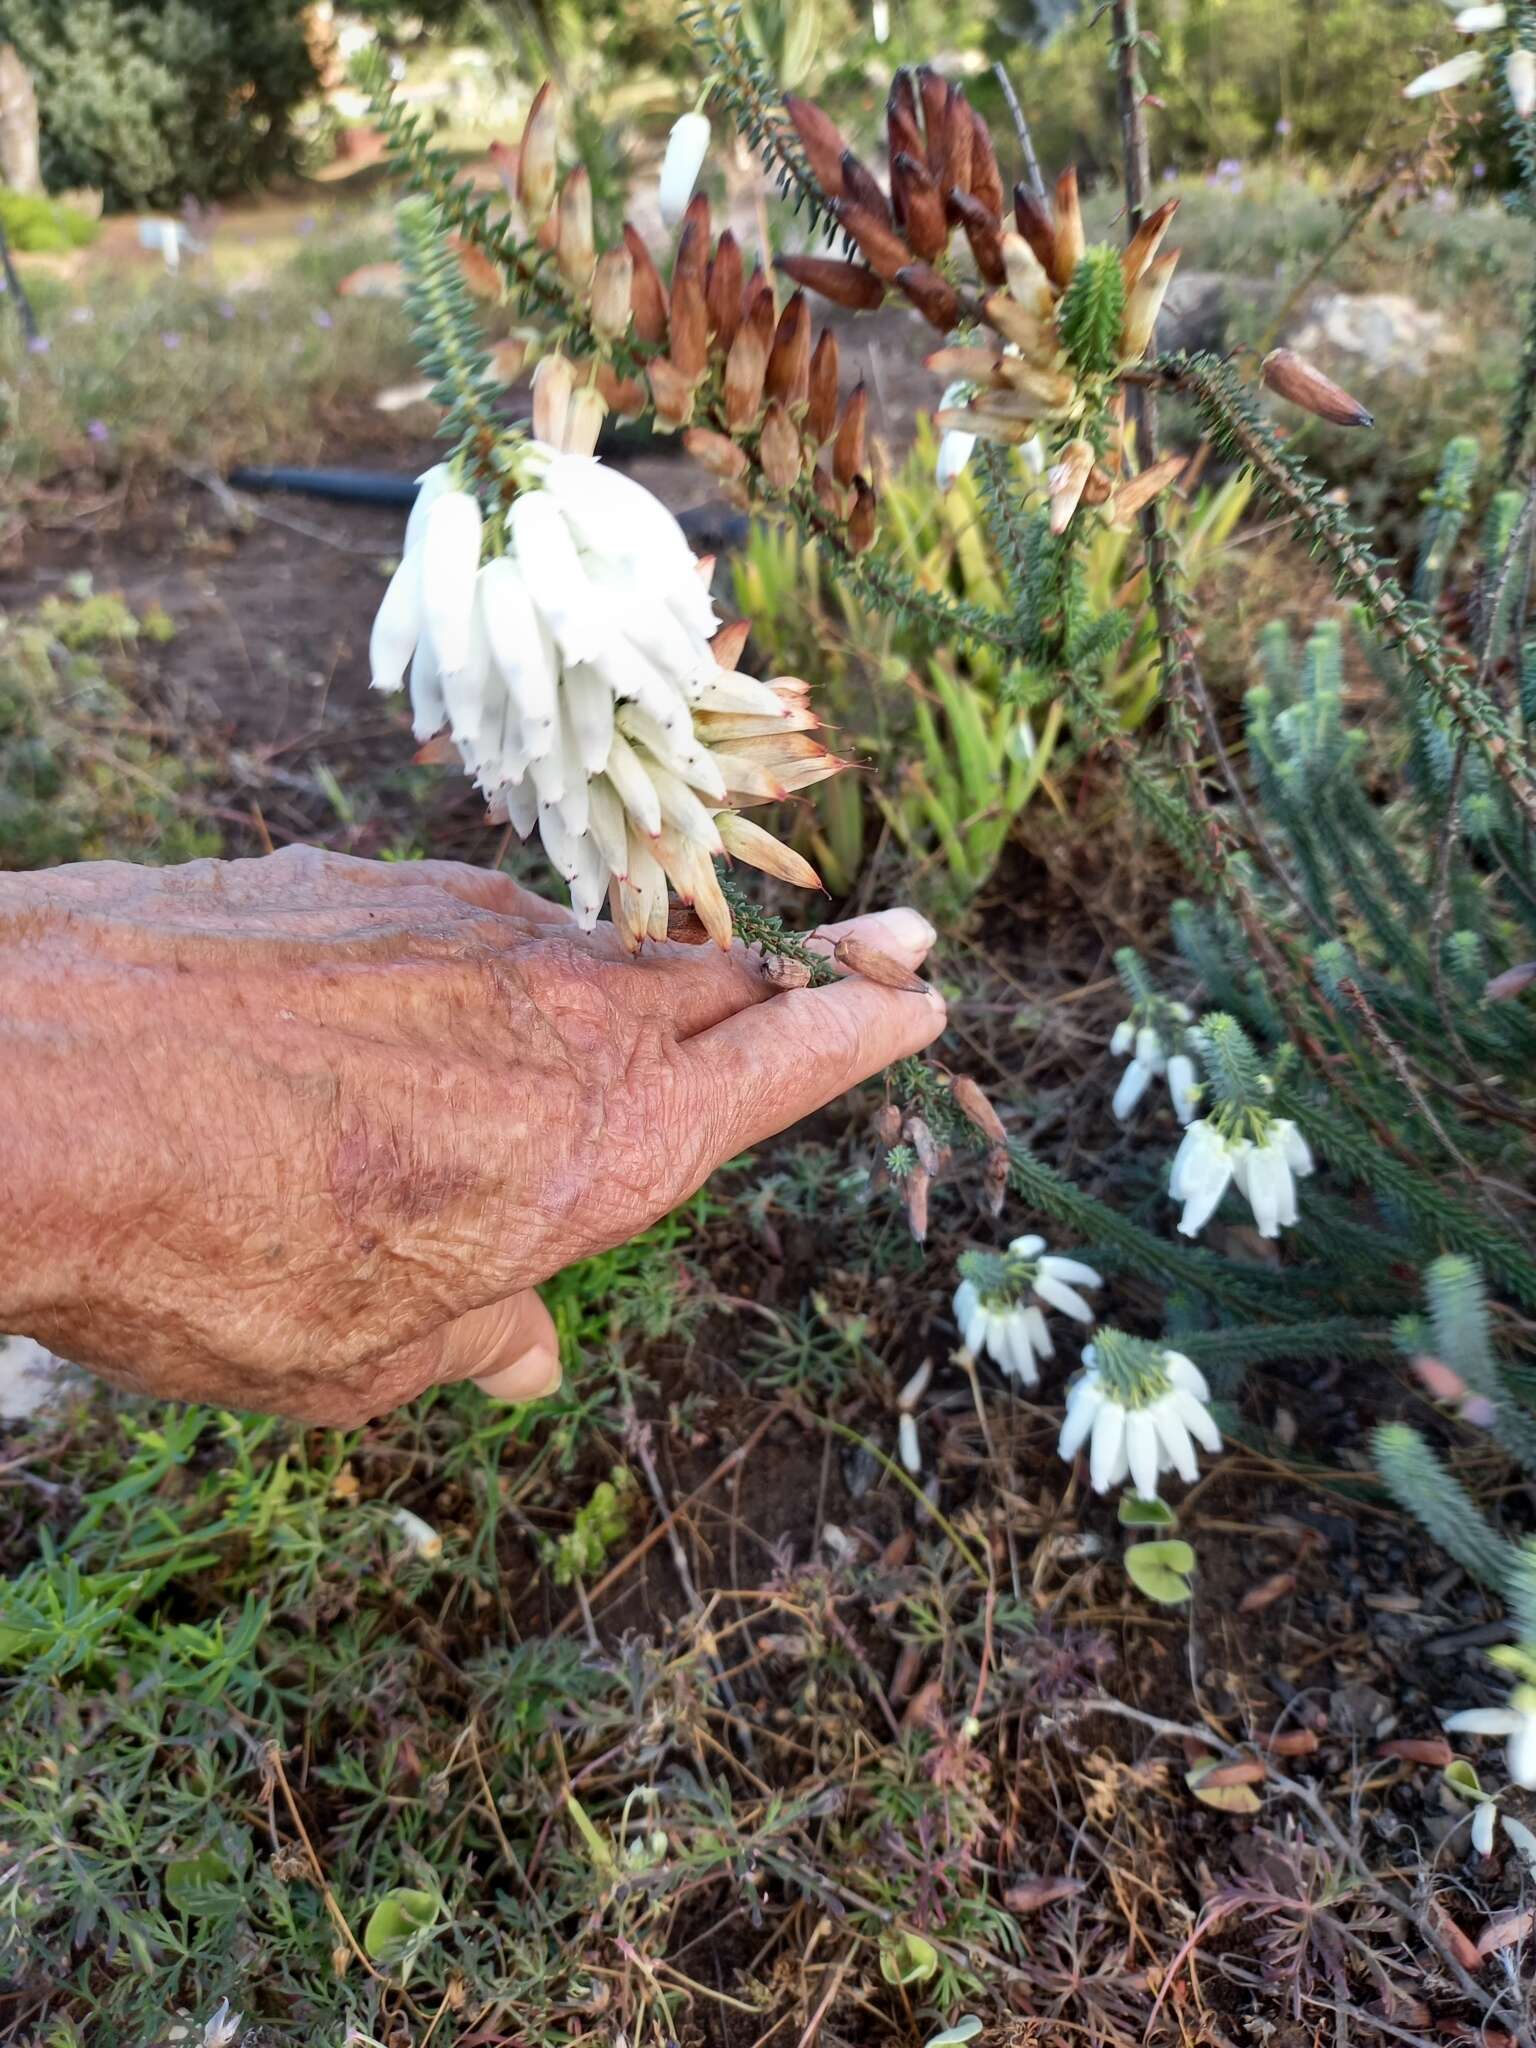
column 301, row 1133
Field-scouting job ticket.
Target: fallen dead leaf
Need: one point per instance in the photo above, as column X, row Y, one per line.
column 1505, row 1931
column 1290, row 1742
column 1031, row 1893
column 1433, row 1750
column 1257, row 1598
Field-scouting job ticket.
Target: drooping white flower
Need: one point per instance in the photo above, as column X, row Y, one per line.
column 996, row 1315
column 1266, row 1171
column 955, row 446
column 1152, row 1042
column 1517, row 1722
column 1520, row 77
column 907, row 1443
column 1483, row 1820
column 222, row 2026
column 687, row 147
column 1473, row 21
column 587, row 687
column 1444, row 77
column 1202, row 1169
column 1138, row 1438
column 421, row 1539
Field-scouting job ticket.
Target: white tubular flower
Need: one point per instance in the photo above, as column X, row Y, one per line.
column 421, row 1539
column 1202, row 1168
column 1267, row 1170
column 687, row 147
column 1482, row 1826
column 1473, row 21
column 1151, row 1034
column 996, row 1316
column 955, row 446
column 590, row 691
column 1140, row 1411
column 1444, row 77
column 907, row 1443
column 222, row 2026
column 1520, row 77
column 1517, row 1721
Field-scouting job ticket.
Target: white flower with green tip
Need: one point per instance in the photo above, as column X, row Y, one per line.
column 1154, row 1042
column 1140, row 1411
column 996, row 1315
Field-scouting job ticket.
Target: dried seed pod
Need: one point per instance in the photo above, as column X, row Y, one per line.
column 789, row 360
column 554, row 380
column 584, row 420
column 778, row 448
column 954, row 174
column 624, row 396
column 934, row 93
column 982, row 232
column 575, row 251
column 915, row 1191
column 1070, row 241
column 862, row 958
column 862, row 186
column 927, row 229
column 934, row 296
column 1143, row 245
column 845, row 284
column 671, row 393
column 980, row 419
column 862, row 520
column 903, row 134
column 747, row 364
column 722, row 293
column 848, row 456
column 882, row 249
column 1142, row 488
column 1098, row 487
column 830, row 496
column 536, row 166
column 778, row 968
column 1293, row 377
column 986, row 178
column 694, row 242
column 887, row 1122
column 1036, row 226
column 1047, row 389
column 822, row 141
column 821, row 397
column 1066, row 482
column 971, row 1101
column 1027, row 282
column 647, row 294
column 921, row 1139
column 972, row 365
column 719, row 455
column 1014, row 323
column 1143, row 306
column 994, row 1180
column 612, row 289
column 688, row 324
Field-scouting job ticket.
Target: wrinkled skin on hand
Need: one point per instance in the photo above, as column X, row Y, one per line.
column 301, row 1133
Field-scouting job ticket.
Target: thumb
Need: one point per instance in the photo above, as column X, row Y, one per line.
column 508, row 1348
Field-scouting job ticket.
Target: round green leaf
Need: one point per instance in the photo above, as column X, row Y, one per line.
column 201, row 1885
column 1136, row 1513
column 1462, row 1779
column 396, row 1921
column 1161, row 1570
column 906, row 1958
column 966, row 2028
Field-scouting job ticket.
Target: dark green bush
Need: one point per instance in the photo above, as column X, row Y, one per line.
column 153, row 104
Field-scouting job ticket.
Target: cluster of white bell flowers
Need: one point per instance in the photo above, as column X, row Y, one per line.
column 567, row 642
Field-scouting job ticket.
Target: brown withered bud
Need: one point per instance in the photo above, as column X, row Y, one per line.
column 983, row 234
column 1143, row 245
column 1070, row 241
column 903, row 135
column 554, row 379
column 845, row 284
column 584, row 420
column 976, row 365
column 647, row 294
column 747, row 364
column 722, row 294
column 1098, row 487
column 994, row 1180
column 693, row 243
column 1293, row 377
column 986, row 178
column 863, row 519
column 934, row 296
column 536, row 166
column 915, row 1193
column 574, row 250
column 1144, row 303
column 1512, row 982
column 927, row 229
column 759, row 286
column 955, row 175
column 789, row 359
column 922, row 1141
column 887, row 1119
column 973, row 1105
column 1066, row 481
column 821, row 397
column 671, row 393
column 623, row 396
column 848, row 459
column 613, row 284
column 1036, row 226
column 783, row 972
column 863, row 187
column 1142, row 488
column 883, row 250
column 688, row 324
column 721, row 456
column 862, row 958
column 934, row 93
column 830, row 496
column 778, row 448
column 822, row 141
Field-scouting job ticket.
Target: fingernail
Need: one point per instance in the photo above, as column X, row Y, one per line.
column 529, row 1378
column 908, row 928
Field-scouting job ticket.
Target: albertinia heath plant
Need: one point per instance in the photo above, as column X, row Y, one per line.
column 1347, row 1051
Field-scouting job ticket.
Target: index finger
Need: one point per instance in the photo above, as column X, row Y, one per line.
column 763, row 1069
